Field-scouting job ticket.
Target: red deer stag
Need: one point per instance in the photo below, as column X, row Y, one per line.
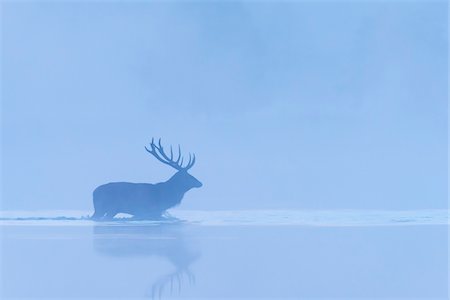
column 146, row 200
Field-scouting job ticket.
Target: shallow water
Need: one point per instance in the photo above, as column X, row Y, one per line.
column 227, row 255
column 333, row 218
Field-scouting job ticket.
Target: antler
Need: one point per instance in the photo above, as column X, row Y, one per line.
column 158, row 152
column 178, row 275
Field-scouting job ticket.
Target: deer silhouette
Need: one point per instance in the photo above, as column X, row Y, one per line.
column 146, row 200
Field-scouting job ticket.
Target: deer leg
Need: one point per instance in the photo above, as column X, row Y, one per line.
column 97, row 215
column 99, row 210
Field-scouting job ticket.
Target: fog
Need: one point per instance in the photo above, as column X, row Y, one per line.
column 320, row 137
column 316, row 105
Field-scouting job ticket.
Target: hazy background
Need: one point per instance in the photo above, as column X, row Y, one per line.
column 317, row 105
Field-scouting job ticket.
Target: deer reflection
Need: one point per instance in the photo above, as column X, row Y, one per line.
column 160, row 240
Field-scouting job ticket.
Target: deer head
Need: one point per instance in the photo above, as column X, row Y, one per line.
column 182, row 178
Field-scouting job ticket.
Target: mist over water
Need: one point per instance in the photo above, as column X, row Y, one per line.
column 320, row 137
column 302, row 105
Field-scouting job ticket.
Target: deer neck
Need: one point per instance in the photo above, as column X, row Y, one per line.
column 176, row 189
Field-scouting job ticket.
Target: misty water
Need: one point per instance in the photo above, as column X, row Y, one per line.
column 307, row 106
column 263, row 254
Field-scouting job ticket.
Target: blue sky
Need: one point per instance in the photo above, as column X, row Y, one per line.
column 306, row 105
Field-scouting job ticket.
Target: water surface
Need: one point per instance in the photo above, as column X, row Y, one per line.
column 227, row 255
